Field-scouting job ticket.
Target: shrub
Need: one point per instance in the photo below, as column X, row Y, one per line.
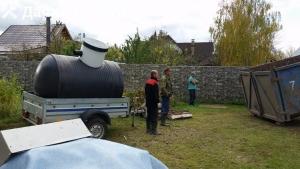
column 136, row 98
column 10, row 97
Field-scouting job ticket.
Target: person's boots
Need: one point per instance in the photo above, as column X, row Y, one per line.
column 148, row 126
column 154, row 129
column 163, row 119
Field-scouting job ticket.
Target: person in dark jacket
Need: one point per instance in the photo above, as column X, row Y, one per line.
column 152, row 99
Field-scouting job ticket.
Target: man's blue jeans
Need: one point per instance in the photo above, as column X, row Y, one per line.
column 165, row 105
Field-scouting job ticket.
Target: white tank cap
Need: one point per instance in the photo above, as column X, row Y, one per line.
column 93, row 52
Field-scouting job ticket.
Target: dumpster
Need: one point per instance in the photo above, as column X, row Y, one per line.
column 272, row 90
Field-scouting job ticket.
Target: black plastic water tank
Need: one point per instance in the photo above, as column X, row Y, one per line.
column 59, row 76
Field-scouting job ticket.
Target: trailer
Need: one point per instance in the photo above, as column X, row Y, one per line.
column 96, row 113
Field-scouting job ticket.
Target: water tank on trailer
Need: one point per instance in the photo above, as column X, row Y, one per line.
column 88, row 76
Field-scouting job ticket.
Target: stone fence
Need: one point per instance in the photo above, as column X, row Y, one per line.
column 216, row 84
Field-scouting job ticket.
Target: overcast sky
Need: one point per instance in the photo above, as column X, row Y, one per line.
column 112, row 21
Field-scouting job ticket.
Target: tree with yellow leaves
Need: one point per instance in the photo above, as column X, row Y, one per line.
column 244, row 32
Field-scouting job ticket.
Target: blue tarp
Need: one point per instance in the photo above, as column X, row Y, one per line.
column 87, row 153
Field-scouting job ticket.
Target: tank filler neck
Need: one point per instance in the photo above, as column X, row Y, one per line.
column 93, row 52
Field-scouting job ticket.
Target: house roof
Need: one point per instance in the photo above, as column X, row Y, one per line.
column 203, row 51
column 23, row 37
column 163, row 35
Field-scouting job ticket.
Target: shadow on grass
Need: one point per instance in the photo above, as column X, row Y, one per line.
column 294, row 124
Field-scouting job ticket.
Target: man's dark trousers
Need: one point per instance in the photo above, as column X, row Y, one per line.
column 151, row 121
column 192, row 96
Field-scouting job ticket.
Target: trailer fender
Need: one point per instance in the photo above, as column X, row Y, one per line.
column 87, row 115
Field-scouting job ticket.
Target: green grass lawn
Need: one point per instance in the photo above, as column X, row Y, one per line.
column 12, row 122
column 216, row 137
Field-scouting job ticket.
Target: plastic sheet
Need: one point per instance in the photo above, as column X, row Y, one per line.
column 87, row 153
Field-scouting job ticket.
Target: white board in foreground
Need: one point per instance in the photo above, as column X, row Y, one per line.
column 25, row 138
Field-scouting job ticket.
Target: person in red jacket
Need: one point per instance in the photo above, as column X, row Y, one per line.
column 152, row 99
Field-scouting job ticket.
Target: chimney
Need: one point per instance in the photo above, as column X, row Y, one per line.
column 193, row 48
column 83, row 35
column 48, row 31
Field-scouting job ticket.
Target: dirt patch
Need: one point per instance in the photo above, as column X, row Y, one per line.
column 215, row 106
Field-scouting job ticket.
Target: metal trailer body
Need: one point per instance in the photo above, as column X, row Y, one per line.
column 275, row 93
column 38, row 110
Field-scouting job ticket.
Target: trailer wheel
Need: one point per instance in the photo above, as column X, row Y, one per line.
column 97, row 127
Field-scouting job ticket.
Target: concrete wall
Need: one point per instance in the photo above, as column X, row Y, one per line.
column 216, row 84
